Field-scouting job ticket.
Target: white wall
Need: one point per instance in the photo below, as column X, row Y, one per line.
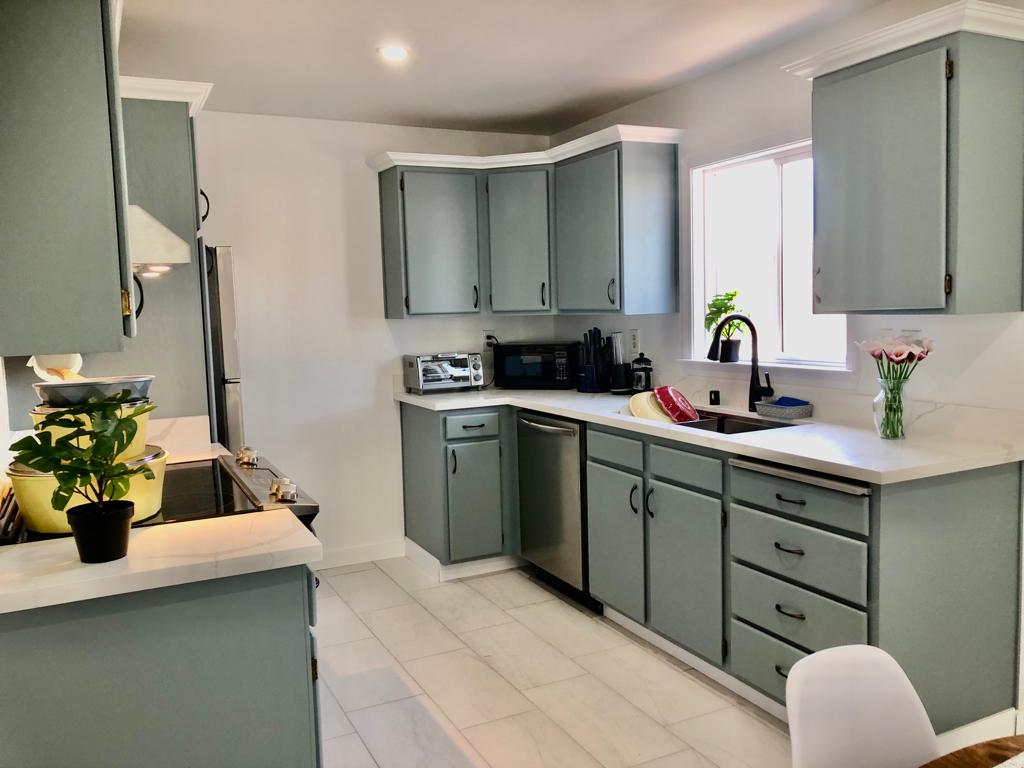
column 754, row 105
column 299, row 206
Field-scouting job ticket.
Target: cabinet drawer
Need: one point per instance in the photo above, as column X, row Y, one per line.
column 471, row 425
column 802, row 617
column 686, row 468
column 615, row 450
column 823, row 560
column 816, row 503
column 761, row 660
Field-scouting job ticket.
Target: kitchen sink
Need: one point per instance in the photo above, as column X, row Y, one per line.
column 731, row 424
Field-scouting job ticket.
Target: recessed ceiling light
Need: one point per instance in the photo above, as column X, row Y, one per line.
column 393, row 54
column 160, row 268
column 150, row 274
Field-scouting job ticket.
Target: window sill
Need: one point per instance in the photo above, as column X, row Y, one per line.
column 741, row 369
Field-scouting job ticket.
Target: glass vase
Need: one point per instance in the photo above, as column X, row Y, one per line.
column 888, row 409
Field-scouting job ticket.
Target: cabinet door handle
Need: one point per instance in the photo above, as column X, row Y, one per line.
column 784, row 500
column 632, row 503
column 611, row 284
column 789, row 550
column 455, row 462
column 476, row 297
column 544, row 294
column 790, row 613
column 780, row 671
column 205, row 213
column 647, row 502
column 473, row 426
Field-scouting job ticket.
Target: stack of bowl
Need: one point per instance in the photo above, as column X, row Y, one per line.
column 33, row 489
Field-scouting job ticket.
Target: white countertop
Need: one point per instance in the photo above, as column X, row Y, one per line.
column 43, row 573
column 853, row 452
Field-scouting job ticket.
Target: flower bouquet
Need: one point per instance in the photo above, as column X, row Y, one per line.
column 896, row 359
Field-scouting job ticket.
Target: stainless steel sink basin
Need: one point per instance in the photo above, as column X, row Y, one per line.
column 730, row 424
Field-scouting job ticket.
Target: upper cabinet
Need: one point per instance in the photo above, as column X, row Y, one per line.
column 429, row 220
column 519, row 239
column 65, row 271
column 919, row 179
column 616, row 224
column 589, row 226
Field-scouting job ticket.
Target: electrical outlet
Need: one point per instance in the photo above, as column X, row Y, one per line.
column 487, row 342
column 634, row 342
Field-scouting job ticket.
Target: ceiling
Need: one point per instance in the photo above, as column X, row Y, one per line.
column 529, row 66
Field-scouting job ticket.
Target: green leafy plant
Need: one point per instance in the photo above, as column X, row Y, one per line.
column 722, row 304
column 105, row 427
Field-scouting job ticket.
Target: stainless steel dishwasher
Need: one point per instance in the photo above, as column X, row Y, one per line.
column 551, row 515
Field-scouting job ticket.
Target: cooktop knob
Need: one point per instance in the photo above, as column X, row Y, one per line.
column 247, row 456
column 286, row 490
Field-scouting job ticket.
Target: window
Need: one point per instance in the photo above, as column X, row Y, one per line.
column 753, row 233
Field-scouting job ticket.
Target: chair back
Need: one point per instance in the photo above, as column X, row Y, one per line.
column 853, row 706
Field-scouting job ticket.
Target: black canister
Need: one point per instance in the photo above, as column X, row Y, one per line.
column 643, row 374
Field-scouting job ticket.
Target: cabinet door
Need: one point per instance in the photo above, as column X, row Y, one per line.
column 685, row 562
column 474, row 499
column 63, row 261
column 587, row 232
column 616, row 539
column 441, row 247
column 517, row 205
column 880, row 159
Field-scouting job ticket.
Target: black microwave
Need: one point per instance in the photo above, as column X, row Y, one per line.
column 536, row 365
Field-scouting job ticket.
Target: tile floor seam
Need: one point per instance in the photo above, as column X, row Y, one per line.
column 380, row 704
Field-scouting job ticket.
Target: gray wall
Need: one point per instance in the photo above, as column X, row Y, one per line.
column 169, row 345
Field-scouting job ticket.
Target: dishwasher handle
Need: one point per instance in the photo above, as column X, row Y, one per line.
column 552, row 430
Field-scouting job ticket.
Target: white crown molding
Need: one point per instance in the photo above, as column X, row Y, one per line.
column 166, row 90
column 603, row 138
column 962, row 16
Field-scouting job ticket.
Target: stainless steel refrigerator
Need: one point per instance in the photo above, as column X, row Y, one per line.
column 224, row 379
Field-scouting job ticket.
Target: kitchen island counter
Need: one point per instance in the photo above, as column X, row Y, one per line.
column 938, row 444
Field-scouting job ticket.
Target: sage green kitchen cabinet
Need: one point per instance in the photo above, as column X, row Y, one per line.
column 615, row 529
column 431, row 241
column 519, row 239
column 459, row 482
column 616, row 222
column 64, row 261
column 919, row 180
column 684, row 562
column 474, row 499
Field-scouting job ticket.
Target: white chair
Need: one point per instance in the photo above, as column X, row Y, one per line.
column 853, row 707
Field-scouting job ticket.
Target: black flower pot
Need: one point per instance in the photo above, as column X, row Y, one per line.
column 729, row 351
column 101, row 533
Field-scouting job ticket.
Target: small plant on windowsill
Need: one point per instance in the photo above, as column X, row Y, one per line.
column 84, row 462
column 723, row 304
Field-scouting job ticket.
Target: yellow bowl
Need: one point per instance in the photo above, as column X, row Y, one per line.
column 135, row 449
column 33, row 491
column 646, row 406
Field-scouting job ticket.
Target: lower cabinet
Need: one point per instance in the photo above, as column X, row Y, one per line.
column 616, row 538
column 474, row 499
column 684, row 556
column 458, row 482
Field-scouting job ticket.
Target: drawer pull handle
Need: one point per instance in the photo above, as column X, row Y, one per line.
column 780, row 671
column 632, row 504
column 790, row 613
column 798, row 502
column 647, row 502
column 473, row 426
column 789, row 550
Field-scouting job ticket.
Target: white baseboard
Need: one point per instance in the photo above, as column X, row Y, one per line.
column 992, row 727
column 433, row 566
column 720, row 676
column 364, row 553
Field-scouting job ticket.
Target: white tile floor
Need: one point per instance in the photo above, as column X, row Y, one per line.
column 497, row 671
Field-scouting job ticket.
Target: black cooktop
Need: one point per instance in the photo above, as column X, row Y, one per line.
column 199, row 489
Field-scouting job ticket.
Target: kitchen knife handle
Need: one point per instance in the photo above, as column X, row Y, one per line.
column 455, row 462
column 611, row 284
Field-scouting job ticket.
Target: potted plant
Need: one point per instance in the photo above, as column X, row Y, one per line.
column 723, row 304
column 84, row 462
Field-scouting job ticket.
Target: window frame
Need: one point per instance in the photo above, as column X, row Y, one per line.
column 693, row 326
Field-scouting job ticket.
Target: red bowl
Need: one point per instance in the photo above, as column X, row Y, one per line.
column 675, row 404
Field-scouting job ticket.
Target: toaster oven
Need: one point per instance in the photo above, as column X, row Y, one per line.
column 443, row 372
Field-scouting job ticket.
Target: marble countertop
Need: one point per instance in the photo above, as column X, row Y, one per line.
column 42, row 573
column 851, row 451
